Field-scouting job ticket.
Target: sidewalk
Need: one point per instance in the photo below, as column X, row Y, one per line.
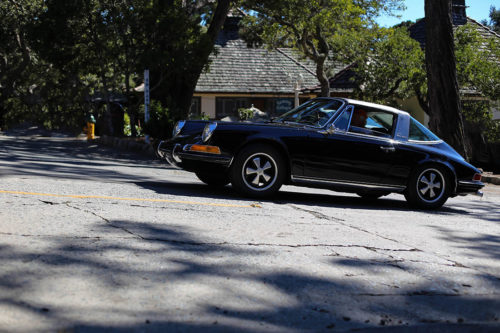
column 489, row 177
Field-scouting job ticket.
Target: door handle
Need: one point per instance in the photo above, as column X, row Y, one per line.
column 388, row 149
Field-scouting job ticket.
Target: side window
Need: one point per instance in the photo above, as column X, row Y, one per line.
column 342, row 121
column 419, row 132
column 372, row 122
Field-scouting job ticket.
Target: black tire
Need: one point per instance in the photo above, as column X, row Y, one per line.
column 213, row 180
column 258, row 171
column 371, row 195
column 429, row 187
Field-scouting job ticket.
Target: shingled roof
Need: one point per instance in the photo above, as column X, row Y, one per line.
column 342, row 82
column 237, row 68
column 417, row 30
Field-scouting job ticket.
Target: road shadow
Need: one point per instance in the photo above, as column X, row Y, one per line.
column 143, row 264
column 284, row 197
column 480, row 244
column 66, row 158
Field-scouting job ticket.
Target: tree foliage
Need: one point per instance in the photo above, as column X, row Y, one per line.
column 325, row 31
column 70, row 54
column 494, row 22
column 179, row 48
column 17, row 60
column 478, row 70
column 391, row 67
column 478, row 61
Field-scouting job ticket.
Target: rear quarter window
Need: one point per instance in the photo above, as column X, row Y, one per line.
column 419, row 132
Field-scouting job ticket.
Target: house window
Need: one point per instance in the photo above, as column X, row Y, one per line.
column 272, row 106
column 226, row 106
column 283, row 105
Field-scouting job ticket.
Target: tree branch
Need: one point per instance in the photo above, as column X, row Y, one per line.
column 393, row 89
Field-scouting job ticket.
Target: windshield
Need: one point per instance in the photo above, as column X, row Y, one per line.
column 316, row 112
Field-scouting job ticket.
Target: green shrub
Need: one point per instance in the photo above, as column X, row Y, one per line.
column 245, row 114
column 478, row 113
column 127, row 129
column 160, row 122
column 202, row 116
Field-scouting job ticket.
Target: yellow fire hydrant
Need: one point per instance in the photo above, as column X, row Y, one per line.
column 90, row 127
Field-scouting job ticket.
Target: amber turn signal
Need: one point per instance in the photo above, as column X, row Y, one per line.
column 205, row 149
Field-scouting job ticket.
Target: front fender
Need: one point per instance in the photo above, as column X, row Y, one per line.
column 276, row 143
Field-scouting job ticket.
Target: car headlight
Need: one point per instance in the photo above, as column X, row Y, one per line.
column 178, row 127
column 207, row 131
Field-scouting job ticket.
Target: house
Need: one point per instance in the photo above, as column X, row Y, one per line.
column 240, row 76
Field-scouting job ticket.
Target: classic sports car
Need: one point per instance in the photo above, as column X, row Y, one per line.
column 334, row 143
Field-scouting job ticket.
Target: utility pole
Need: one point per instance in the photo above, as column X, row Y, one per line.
column 146, row 100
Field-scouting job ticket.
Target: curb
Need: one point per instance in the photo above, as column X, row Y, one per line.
column 126, row 144
column 491, row 178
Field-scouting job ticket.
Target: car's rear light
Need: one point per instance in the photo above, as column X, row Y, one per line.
column 205, row 149
column 477, row 177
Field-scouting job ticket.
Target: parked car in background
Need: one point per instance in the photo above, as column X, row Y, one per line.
column 334, row 143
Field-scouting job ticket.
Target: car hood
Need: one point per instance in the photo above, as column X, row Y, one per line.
column 265, row 123
column 193, row 127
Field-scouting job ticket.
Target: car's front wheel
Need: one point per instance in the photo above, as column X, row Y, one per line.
column 428, row 187
column 258, row 171
column 212, row 179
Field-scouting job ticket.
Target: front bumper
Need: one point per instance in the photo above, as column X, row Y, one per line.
column 180, row 156
column 465, row 187
column 168, row 151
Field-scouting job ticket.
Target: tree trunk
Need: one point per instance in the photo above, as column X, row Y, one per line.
column 322, row 78
column 190, row 81
column 3, row 111
column 443, row 93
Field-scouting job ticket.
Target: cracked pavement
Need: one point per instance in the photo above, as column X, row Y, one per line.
column 308, row 260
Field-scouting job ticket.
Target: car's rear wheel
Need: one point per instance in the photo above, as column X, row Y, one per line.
column 429, row 187
column 213, row 179
column 258, row 171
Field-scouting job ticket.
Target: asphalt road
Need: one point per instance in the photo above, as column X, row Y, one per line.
column 97, row 240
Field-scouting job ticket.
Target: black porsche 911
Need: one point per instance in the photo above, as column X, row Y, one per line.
column 334, row 143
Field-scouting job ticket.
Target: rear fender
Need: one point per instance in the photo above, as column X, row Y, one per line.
column 447, row 166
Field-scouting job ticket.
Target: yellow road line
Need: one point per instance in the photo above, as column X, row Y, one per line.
column 124, row 199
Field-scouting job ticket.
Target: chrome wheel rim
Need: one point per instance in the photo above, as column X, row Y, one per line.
column 259, row 172
column 431, row 185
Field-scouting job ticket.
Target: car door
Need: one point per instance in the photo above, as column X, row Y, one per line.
column 356, row 150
